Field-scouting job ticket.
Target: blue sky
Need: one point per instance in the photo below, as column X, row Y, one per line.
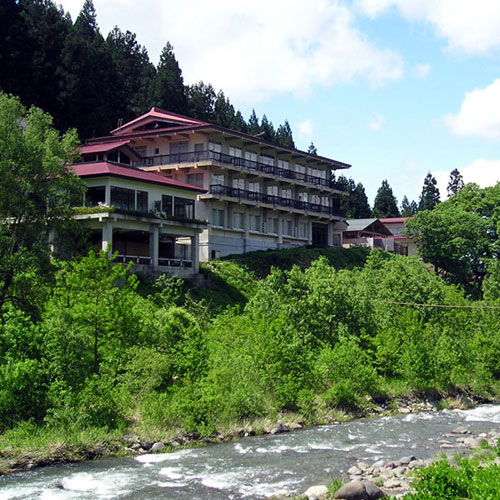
column 396, row 88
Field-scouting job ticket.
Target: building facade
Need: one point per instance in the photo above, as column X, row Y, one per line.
column 256, row 195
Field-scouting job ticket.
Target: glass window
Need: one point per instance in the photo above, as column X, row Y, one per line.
column 179, row 151
column 183, row 208
column 254, row 187
column 267, row 160
column 218, row 217
column 272, row 190
column 215, row 146
column 238, row 183
column 166, row 204
column 287, row 227
column 273, row 224
column 195, row 179
column 235, row 152
column 315, row 198
column 254, row 220
column 283, row 164
column 123, row 198
column 218, row 179
column 286, row 193
column 95, row 195
column 303, row 196
column 142, row 201
column 303, row 227
column 238, row 220
column 250, row 159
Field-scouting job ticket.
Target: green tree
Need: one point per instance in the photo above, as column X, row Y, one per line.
column 284, row 136
column 312, row 149
column 385, row 204
column 201, row 100
column 35, row 194
column 253, row 124
column 429, row 198
column 267, row 129
column 408, row 208
column 456, row 182
column 168, row 86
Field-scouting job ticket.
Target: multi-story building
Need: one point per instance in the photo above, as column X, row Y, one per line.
column 257, row 195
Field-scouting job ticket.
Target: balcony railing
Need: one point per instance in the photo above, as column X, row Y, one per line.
column 236, row 161
column 271, row 199
column 162, row 261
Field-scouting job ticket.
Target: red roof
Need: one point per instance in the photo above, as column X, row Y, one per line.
column 105, row 168
column 102, row 148
column 393, row 220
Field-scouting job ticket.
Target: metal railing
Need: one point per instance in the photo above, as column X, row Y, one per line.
column 270, row 199
column 138, row 259
column 225, row 159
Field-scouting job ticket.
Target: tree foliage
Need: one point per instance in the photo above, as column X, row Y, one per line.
column 385, row 204
column 456, row 182
column 429, row 197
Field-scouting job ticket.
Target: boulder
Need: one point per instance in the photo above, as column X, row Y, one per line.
column 146, row 445
column 373, row 491
column 316, row 492
column 460, row 430
column 354, row 490
column 157, row 447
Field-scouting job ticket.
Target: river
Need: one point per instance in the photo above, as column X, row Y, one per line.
column 254, row 467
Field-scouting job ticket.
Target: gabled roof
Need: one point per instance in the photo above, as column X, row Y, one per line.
column 102, row 148
column 156, row 115
column 104, row 168
column 372, row 225
column 393, row 220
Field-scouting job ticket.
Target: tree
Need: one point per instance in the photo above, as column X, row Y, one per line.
column 253, row 124
column 35, row 195
column 355, row 203
column 429, row 197
column 168, row 87
column 456, row 182
column 201, row 101
column 408, row 209
column 223, row 111
column 312, row 149
column 385, row 204
column 267, row 130
column 460, row 236
column 284, row 136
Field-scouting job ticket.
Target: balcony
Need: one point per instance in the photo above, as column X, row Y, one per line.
column 250, row 165
column 243, row 194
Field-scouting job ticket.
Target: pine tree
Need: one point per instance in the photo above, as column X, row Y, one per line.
column 312, row 149
column 201, row 101
column 408, row 209
column 267, row 129
column 253, row 124
column 239, row 123
column 385, row 204
column 361, row 207
column 284, row 136
column 429, row 197
column 168, row 88
column 223, row 111
column 456, row 182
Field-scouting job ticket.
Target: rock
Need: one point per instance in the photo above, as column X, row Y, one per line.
column 446, row 446
column 460, row 430
column 372, row 491
column 354, row 471
column 405, row 411
column 282, row 494
column 363, row 465
column 407, row 460
column 130, row 439
column 146, row 445
column 157, row 447
column 174, row 444
column 294, row 426
column 355, row 490
column 378, row 464
column 316, row 492
column 392, row 483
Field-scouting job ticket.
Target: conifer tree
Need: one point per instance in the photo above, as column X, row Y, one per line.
column 456, row 182
column 429, row 197
column 253, row 124
column 201, row 101
column 267, row 129
column 385, row 204
column 312, row 149
column 223, row 110
column 408, row 209
column 284, row 136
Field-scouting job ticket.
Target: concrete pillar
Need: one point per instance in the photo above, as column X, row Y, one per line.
column 310, row 230
column 107, row 237
column 331, row 225
column 107, row 195
column 195, row 246
column 154, row 244
column 280, row 230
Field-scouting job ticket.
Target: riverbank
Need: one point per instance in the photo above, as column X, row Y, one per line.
column 30, row 446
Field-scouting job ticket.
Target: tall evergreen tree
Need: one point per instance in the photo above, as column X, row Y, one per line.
column 253, row 124
column 239, row 123
column 385, row 204
column 201, row 101
column 355, row 203
column 284, row 135
column 223, row 110
column 267, row 129
column 408, row 209
column 312, row 149
column 429, row 197
column 168, row 87
column 456, row 182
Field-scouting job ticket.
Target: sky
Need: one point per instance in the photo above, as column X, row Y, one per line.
column 396, row 88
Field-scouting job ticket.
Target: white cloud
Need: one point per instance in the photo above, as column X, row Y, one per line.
column 377, row 123
column 482, row 172
column 478, row 115
column 422, row 71
column 252, row 50
column 305, row 130
column 472, row 27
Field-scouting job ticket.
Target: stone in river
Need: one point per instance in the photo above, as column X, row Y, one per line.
column 316, row 492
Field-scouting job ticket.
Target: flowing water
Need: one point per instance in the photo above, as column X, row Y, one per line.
column 251, row 468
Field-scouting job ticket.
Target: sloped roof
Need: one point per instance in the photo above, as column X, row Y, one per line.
column 103, row 147
column 393, row 220
column 106, row 168
column 372, row 225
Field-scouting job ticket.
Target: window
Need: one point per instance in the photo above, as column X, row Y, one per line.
column 218, row 217
column 254, row 187
column 179, row 151
column 300, row 172
column 123, row 198
column 218, row 179
column 254, row 221
column 199, row 149
column 238, row 183
column 157, row 151
column 195, row 179
column 283, row 164
column 303, row 196
column 303, row 230
column 216, row 147
column 235, row 152
column 273, row 224
column 166, row 204
column 286, row 193
column 238, row 220
column 325, row 201
column 142, row 201
column 272, row 190
column 267, row 160
column 287, row 227
column 95, row 195
column 250, row 159
column 184, row 208
column 315, row 198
